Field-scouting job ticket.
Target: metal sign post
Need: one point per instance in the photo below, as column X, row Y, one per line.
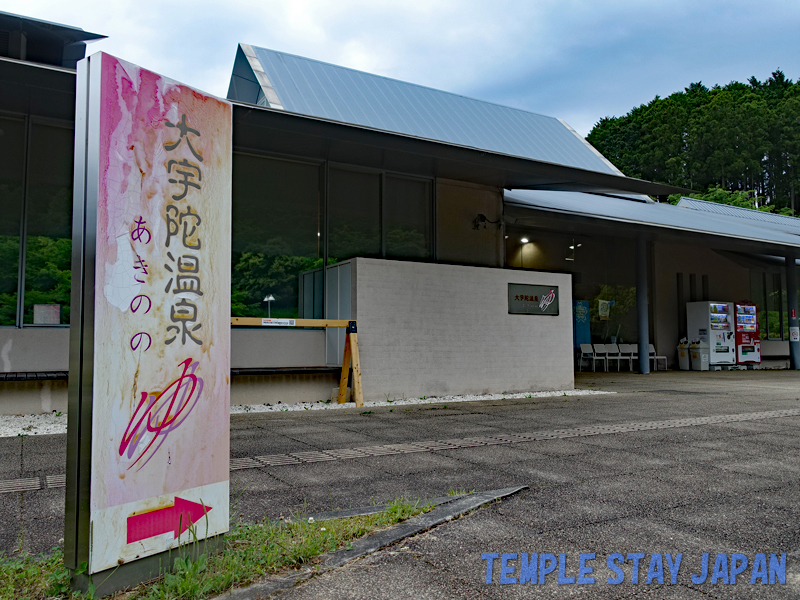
column 148, row 430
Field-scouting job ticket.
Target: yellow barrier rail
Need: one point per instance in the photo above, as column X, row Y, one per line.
column 349, row 360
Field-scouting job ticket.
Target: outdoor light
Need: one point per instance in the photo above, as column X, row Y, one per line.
column 269, row 299
column 571, row 251
column 524, row 240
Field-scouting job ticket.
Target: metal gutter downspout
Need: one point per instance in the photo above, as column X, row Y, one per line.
column 791, row 301
column 643, row 321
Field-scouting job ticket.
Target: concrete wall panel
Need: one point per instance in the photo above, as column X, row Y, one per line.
column 32, row 397
column 47, row 349
column 271, row 348
column 431, row 330
column 285, row 389
column 34, row 349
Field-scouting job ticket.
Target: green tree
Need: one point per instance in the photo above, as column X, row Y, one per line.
column 740, row 137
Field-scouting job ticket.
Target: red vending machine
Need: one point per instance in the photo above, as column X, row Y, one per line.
column 748, row 338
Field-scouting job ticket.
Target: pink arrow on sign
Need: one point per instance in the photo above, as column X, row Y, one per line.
column 177, row 519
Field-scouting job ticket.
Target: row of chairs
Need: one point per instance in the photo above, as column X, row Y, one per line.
column 607, row 353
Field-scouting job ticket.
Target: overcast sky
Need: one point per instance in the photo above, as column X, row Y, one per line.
column 573, row 59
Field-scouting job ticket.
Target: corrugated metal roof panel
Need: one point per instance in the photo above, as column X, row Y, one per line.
column 780, row 222
column 328, row 91
column 652, row 214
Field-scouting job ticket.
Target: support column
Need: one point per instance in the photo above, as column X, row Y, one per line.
column 791, row 301
column 643, row 321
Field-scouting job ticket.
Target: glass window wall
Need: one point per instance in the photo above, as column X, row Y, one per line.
column 407, row 217
column 354, row 214
column 277, row 233
column 48, row 243
column 12, row 170
column 278, row 225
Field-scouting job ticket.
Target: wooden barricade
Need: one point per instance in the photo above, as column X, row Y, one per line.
column 349, row 360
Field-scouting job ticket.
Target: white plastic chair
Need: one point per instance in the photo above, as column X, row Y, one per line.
column 631, row 352
column 601, row 353
column 588, row 353
column 613, row 352
column 655, row 358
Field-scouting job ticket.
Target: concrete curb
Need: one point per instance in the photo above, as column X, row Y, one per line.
column 446, row 512
column 371, row 510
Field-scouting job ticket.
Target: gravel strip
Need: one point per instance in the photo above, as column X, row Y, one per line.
column 408, row 401
column 12, row 426
column 16, row 425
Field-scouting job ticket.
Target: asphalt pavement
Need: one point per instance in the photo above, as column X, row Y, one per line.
column 687, row 463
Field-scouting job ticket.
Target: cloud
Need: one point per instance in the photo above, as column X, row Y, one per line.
column 573, row 59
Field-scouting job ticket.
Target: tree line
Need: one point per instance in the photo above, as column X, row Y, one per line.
column 741, row 139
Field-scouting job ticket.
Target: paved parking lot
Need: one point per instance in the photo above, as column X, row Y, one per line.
column 672, row 462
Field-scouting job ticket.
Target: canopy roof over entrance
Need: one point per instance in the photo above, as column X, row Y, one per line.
column 737, row 225
column 756, row 217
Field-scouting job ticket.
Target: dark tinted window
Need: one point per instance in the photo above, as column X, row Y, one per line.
column 407, row 217
column 277, row 226
column 354, row 214
column 48, row 245
column 12, row 152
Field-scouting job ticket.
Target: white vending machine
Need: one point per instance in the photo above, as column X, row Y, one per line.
column 714, row 324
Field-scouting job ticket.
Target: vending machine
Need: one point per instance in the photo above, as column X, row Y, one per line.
column 712, row 323
column 748, row 337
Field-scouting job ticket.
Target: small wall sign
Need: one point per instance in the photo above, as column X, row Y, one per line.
column 526, row 299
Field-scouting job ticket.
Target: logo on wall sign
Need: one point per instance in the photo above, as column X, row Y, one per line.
column 157, row 414
column 547, row 300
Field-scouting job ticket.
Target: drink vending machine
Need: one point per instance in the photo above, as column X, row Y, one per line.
column 748, row 337
column 712, row 324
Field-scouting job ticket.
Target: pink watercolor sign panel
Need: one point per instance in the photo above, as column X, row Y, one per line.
column 160, row 416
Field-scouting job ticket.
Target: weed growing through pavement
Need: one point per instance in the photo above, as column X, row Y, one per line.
column 252, row 551
column 460, row 491
column 26, row 576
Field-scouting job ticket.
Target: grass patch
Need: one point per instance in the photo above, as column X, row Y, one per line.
column 252, row 551
column 27, row 576
column 460, row 491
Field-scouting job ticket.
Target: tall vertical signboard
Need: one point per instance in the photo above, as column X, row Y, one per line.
column 148, row 440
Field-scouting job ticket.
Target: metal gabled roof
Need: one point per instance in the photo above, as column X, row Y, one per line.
column 314, row 88
column 779, row 222
column 68, row 33
column 665, row 216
